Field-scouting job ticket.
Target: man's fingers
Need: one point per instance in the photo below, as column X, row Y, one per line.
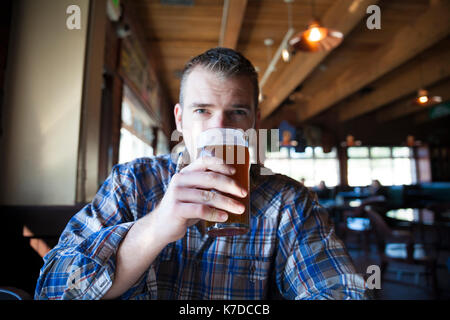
column 210, row 180
column 204, row 212
column 215, row 215
column 210, row 198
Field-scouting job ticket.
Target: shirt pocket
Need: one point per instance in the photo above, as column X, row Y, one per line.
column 250, row 269
column 249, row 278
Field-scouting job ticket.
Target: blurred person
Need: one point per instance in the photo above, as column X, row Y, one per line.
column 376, row 189
column 376, row 197
column 322, row 191
column 142, row 236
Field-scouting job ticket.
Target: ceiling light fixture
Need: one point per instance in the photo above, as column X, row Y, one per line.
column 423, row 98
column 316, row 37
column 278, row 54
column 350, row 141
column 412, row 142
column 285, row 53
column 268, row 42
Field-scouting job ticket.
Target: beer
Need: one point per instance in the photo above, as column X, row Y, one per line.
column 231, row 146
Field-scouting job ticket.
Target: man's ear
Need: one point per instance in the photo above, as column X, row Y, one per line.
column 178, row 112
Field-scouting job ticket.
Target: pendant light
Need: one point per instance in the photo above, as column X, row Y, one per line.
column 350, row 141
column 268, row 42
column 423, row 98
column 285, row 53
column 316, row 37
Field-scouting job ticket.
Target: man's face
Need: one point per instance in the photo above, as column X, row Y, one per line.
column 213, row 102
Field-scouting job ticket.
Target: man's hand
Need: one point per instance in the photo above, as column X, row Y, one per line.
column 189, row 198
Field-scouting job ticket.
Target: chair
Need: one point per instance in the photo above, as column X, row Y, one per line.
column 355, row 222
column 11, row 293
column 442, row 224
column 400, row 246
column 359, row 226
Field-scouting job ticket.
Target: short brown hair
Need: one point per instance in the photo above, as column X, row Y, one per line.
column 225, row 63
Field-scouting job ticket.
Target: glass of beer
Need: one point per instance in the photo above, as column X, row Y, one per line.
column 230, row 145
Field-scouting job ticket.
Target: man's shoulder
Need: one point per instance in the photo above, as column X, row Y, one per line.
column 277, row 183
column 160, row 166
column 266, row 175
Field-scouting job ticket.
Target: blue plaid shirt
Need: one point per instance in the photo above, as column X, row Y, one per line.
column 291, row 250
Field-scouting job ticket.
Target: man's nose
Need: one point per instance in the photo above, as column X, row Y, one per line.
column 220, row 120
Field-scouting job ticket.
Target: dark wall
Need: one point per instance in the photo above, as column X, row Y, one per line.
column 5, row 25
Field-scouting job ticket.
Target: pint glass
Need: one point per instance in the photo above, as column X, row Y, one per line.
column 230, row 145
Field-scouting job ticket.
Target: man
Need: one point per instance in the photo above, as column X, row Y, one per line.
column 142, row 235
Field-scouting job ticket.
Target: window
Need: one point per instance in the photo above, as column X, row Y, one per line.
column 162, row 147
column 136, row 134
column 391, row 166
column 361, row 152
column 132, row 147
column 313, row 165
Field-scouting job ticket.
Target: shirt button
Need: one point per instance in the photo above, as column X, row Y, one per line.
column 252, row 271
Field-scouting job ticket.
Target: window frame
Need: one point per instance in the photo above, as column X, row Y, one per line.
column 280, row 155
column 137, row 107
column 371, row 157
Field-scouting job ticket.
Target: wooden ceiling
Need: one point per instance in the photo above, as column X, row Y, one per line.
column 370, row 73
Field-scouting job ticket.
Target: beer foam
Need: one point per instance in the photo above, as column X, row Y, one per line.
column 222, row 136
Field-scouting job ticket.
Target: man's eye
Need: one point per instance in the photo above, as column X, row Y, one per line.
column 200, row 111
column 240, row 112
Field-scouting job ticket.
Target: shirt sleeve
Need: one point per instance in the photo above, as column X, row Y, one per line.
column 82, row 264
column 311, row 262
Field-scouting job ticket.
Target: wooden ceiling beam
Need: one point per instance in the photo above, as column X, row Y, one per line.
column 233, row 15
column 428, row 29
column 405, row 107
column 400, row 83
column 303, row 64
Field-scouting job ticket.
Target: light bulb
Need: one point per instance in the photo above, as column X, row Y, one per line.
column 315, row 34
column 423, row 99
column 285, row 55
column 260, row 97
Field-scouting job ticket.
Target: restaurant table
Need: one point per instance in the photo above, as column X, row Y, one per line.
column 422, row 219
column 413, row 215
column 362, row 194
column 419, row 216
column 336, row 208
column 341, row 204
